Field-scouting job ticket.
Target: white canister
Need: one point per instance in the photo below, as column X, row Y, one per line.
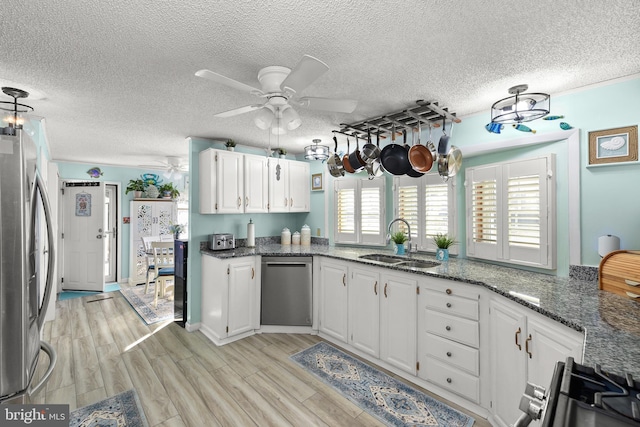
column 251, row 234
column 305, row 235
column 295, row 239
column 285, row 237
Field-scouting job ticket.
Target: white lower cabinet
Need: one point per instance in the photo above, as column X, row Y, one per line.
column 229, row 295
column 449, row 325
column 398, row 320
column 333, row 299
column 525, row 348
column 364, row 309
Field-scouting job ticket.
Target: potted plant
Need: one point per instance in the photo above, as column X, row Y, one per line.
column 230, row 144
column 443, row 242
column 168, row 191
column 399, row 238
column 282, row 152
column 137, row 186
column 176, row 229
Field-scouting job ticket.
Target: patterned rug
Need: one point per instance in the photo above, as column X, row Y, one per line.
column 117, row 411
column 143, row 304
column 391, row 401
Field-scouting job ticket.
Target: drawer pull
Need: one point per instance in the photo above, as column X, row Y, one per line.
column 253, row 273
column 632, row 295
column 449, row 380
column 344, row 277
column 526, row 346
column 448, row 291
column 448, row 354
column 631, row 282
column 517, row 336
column 448, row 328
column 375, row 288
column 448, row 305
column 385, row 290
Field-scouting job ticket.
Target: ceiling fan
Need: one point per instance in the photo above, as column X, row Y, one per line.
column 281, row 86
column 175, row 169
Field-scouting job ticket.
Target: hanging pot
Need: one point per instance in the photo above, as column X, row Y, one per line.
column 420, row 156
column 394, row 157
column 444, row 140
column 449, row 164
column 355, row 160
column 370, row 152
column 411, row 172
column 345, row 161
column 336, row 168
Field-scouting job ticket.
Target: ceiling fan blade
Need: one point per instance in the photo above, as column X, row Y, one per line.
column 237, row 111
column 306, row 71
column 329, row 104
column 219, row 78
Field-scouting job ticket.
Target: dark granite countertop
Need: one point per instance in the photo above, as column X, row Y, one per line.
column 611, row 322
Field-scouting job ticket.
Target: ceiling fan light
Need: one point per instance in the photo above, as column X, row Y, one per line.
column 291, row 118
column 264, row 118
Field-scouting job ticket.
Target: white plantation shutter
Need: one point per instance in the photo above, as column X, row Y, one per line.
column 427, row 204
column 359, row 211
column 509, row 205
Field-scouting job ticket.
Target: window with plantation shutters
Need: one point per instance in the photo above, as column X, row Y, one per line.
column 511, row 212
column 427, row 204
column 359, row 211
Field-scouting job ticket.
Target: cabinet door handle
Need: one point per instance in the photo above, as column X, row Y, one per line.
column 448, row 305
column 526, row 346
column 344, row 279
column 449, row 380
column 448, row 291
column 291, row 202
column 239, row 201
column 253, row 272
column 448, row 354
column 385, row 290
column 448, row 328
column 246, row 201
column 375, row 288
column 285, row 201
column 517, row 340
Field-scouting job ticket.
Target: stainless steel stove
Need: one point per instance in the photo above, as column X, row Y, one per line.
column 580, row 396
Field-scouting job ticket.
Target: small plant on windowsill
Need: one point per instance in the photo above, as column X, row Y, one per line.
column 399, row 238
column 443, row 243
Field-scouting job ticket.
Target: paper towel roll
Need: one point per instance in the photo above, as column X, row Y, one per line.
column 251, row 234
column 607, row 244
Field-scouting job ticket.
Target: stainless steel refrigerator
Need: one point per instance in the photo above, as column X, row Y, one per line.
column 23, row 302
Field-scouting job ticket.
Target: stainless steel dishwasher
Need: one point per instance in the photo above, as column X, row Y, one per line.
column 286, row 291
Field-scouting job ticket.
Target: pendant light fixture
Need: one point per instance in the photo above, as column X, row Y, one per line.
column 522, row 107
column 14, row 109
column 316, row 151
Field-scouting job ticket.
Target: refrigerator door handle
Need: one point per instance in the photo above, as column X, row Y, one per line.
column 53, row 358
column 39, row 188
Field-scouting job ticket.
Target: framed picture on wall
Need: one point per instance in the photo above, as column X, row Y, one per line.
column 613, row 145
column 316, row 181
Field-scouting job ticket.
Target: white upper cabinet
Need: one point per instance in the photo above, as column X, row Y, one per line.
column 289, row 186
column 233, row 182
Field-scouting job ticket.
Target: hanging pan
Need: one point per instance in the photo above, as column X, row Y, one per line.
column 411, row 172
column 345, row 161
column 394, row 157
column 336, row 168
column 370, row 152
column 355, row 160
column 449, row 159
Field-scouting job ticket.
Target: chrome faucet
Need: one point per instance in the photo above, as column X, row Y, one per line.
column 412, row 247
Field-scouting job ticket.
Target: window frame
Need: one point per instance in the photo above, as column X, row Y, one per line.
column 424, row 241
column 545, row 255
column 357, row 237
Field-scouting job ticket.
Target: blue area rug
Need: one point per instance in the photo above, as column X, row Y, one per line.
column 123, row 409
column 391, row 401
column 143, row 304
column 109, row 287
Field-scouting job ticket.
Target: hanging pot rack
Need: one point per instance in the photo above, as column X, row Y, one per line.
column 429, row 113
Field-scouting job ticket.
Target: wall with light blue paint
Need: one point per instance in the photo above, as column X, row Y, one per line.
column 201, row 225
column 121, row 176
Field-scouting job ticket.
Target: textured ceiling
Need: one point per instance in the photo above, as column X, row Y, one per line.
column 119, row 84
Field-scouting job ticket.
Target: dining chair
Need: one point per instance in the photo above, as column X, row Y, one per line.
column 163, row 261
column 151, row 269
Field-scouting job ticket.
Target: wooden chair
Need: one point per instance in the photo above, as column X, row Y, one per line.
column 146, row 243
column 163, row 261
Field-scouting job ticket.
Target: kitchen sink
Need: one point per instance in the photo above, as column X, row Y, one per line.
column 418, row 264
column 388, row 259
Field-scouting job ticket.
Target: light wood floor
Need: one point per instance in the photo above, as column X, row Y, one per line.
column 182, row 378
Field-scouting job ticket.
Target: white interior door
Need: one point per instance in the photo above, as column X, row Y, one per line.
column 83, row 234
